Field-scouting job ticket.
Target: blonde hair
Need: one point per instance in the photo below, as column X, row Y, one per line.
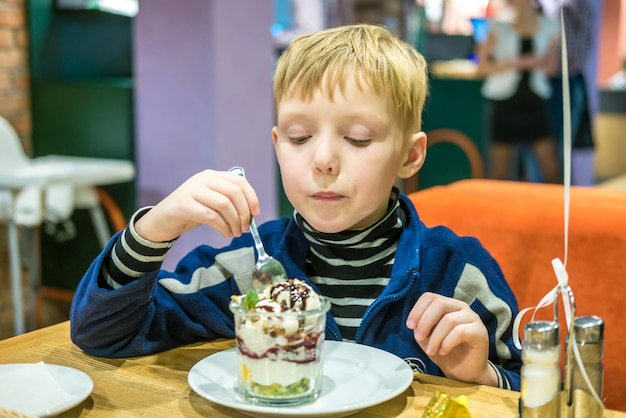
column 374, row 55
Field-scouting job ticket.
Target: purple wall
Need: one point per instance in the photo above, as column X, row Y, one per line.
column 203, row 99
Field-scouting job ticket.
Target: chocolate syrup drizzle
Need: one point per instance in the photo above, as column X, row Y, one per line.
column 298, row 294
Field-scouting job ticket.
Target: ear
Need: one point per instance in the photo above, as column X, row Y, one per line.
column 274, row 136
column 415, row 155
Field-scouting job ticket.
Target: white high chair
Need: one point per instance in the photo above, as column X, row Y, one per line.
column 47, row 189
column 60, row 199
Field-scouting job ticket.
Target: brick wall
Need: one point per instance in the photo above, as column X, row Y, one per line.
column 15, row 107
column 14, row 75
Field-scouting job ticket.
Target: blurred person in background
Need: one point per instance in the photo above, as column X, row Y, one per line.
column 308, row 16
column 339, row 13
column 580, row 21
column 618, row 80
column 458, row 14
column 300, row 17
column 515, row 61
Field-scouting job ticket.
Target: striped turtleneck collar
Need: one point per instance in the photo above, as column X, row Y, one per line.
column 388, row 227
column 352, row 268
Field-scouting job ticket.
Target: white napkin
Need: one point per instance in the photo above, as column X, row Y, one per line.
column 31, row 389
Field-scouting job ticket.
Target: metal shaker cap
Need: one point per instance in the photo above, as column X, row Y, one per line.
column 588, row 329
column 541, row 334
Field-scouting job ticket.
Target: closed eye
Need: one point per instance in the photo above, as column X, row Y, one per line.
column 299, row 139
column 358, row 142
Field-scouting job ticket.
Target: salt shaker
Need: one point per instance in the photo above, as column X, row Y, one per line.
column 541, row 372
column 589, row 338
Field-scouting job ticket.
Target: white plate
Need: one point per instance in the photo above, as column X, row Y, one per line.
column 76, row 384
column 355, row 377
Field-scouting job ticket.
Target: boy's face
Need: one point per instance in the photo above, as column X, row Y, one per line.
column 339, row 158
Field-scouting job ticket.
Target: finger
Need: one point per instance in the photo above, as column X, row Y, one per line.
column 251, row 198
column 244, row 198
column 219, row 210
column 418, row 310
column 464, row 333
column 436, row 307
column 224, row 195
column 198, row 209
column 447, row 333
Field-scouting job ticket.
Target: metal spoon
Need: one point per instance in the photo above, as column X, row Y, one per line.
column 267, row 270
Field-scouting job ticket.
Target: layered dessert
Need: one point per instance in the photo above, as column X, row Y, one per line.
column 279, row 336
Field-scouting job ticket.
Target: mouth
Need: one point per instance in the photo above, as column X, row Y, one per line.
column 327, row 196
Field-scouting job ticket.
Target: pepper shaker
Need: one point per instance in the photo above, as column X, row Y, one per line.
column 589, row 339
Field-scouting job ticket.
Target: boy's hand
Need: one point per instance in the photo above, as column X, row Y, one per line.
column 221, row 200
column 454, row 337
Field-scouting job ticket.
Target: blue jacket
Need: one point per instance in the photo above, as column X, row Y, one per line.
column 162, row 310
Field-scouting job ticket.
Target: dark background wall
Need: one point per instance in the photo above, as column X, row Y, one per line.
column 82, row 92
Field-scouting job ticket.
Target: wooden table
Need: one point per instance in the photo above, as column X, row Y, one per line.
column 156, row 385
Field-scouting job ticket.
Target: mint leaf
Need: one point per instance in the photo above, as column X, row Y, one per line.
column 250, row 300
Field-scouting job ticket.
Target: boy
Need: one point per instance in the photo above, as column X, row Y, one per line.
column 348, row 105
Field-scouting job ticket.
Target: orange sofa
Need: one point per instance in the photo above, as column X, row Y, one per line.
column 522, row 225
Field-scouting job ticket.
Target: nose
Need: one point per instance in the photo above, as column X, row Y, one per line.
column 325, row 157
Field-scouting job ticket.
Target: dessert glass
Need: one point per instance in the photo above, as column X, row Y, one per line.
column 280, row 354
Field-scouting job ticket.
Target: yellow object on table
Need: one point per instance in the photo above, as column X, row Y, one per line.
column 443, row 406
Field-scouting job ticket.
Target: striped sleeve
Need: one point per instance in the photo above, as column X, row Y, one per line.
column 132, row 255
column 503, row 380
